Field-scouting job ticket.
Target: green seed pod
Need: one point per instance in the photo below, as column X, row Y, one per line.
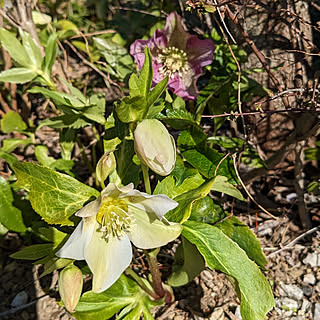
column 70, row 286
column 154, row 146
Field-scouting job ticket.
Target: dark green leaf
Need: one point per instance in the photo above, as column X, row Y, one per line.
column 188, row 264
column 10, row 216
column 33, row 252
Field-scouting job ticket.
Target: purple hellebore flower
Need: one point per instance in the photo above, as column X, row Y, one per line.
column 177, row 54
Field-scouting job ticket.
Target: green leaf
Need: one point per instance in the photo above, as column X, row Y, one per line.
column 125, row 293
column 17, row 75
column 53, row 235
column 127, row 171
column 247, row 241
column 169, row 187
column 54, row 263
column 221, row 253
column 33, row 252
column 67, row 141
column 10, row 144
column 15, row 48
column 131, row 108
column 188, row 263
column 156, row 92
column 60, row 98
column 54, row 196
column 177, row 119
column 186, row 200
column 73, row 121
column 10, row 216
column 226, row 142
column 41, row 153
column 221, row 184
column 11, row 159
column 75, row 91
column 140, row 86
column 32, row 49
column 51, row 53
column 206, row 210
column 12, row 121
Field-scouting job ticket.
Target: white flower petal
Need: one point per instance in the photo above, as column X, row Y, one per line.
column 114, row 191
column 107, row 259
column 75, row 246
column 148, row 232
column 159, row 204
column 90, row 209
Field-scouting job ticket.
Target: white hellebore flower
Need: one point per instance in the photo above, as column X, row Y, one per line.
column 116, row 217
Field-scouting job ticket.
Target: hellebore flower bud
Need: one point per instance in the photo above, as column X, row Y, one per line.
column 105, row 166
column 154, row 146
column 70, row 287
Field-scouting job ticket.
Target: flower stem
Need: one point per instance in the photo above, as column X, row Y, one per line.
column 146, row 178
column 155, row 272
column 140, row 282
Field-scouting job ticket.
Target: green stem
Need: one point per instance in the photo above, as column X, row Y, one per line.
column 146, row 178
column 155, row 272
column 140, row 282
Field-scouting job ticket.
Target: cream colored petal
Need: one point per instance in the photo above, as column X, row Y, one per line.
column 148, row 232
column 107, row 259
column 75, row 246
column 159, row 204
column 91, row 209
column 115, row 191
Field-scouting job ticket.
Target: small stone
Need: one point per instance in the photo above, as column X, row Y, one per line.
column 307, row 291
column 207, row 275
column 312, row 259
column 316, row 314
column 289, row 304
column 309, row 278
column 292, row 291
column 217, row 314
column 238, row 313
column 20, row 299
column 305, row 307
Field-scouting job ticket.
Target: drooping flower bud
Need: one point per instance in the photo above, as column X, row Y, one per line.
column 70, row 286
column 105, row 166
column 154, row 146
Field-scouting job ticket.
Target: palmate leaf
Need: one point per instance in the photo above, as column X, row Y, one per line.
column 220, row 252
column 125, row 294
column 54, row 196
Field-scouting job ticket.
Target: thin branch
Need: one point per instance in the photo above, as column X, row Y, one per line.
column 246, row 190
column 294, row 241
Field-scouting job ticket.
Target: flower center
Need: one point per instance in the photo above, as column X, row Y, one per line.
column 113, row 217
column 173, row 60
